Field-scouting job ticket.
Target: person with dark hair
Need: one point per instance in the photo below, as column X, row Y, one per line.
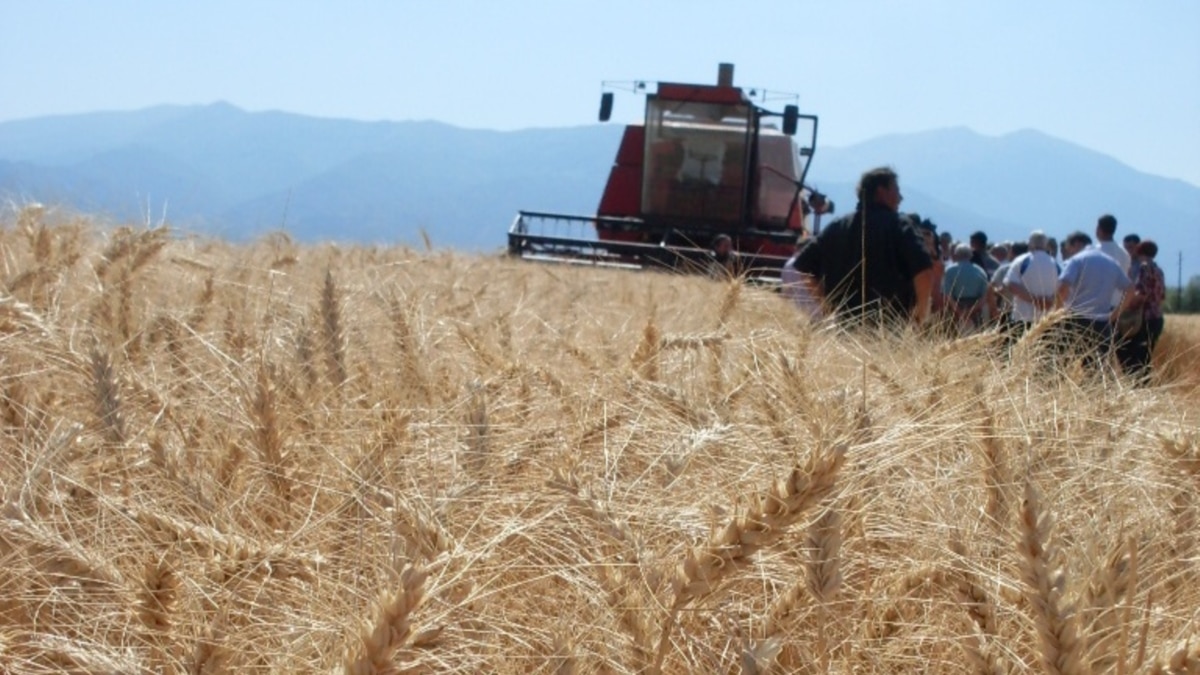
column 1086, row 287
column 1130, row 244
column 869, row 264
column 980, row 255
column 945, row 245
column 1106, row 227
column 1052, row 247
column 1149, row 293
column 928, row 231
column 724, row 263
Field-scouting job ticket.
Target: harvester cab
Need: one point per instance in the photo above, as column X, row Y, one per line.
column 708, row 160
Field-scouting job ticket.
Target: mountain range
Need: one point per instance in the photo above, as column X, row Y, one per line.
column 224, row 171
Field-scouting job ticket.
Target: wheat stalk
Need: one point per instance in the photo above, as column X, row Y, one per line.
column 645, row 359
column 389, row 629
column 106, row 394
column 268, row 439
column 331, row 323
column 766, row 521
column 1062, row 649
column 156, row 605
column 1181, row 660
column 1102, row 615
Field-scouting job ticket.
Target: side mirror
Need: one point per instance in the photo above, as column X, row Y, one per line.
column 606, row 101
column 791, row 119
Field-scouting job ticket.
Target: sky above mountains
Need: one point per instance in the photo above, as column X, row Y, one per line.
column 1119, row 77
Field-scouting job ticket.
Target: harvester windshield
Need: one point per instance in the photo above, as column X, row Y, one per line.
column 695, row 159
column 780, row 164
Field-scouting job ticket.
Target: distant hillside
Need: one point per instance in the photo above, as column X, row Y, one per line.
column 218, row 169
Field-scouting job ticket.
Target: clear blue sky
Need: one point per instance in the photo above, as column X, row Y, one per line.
column 1119, row 77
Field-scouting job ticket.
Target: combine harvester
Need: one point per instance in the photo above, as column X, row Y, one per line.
column 707, row 161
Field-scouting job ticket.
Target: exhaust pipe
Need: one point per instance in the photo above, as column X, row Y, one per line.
column 724, row 74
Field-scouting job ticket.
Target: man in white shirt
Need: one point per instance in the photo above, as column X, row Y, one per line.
column 1032, row 279
column 1106, row 227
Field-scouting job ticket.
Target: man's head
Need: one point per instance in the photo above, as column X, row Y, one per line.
column 1037, row 241
column 1106, row 227
column 962, row 253
column 722, row 246
column 978, row 241
column 1052, row 247
column 1074, row 243
column 1000, row 251
column 880, row 186
column 1019, row 248
column 929, row 235
column 945, row 240
column 1147, row 250
column 1131, row 242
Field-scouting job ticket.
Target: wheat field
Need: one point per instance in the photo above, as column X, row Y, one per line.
column 275, row 458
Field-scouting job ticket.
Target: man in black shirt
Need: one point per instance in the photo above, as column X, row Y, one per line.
column 881, row 269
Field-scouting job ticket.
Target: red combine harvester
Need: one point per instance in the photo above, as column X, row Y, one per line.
column 707, row 161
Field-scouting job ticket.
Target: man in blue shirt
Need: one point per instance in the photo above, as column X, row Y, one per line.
column 1086, row 288
column 965, row 288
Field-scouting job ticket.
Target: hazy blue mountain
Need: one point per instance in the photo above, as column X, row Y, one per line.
column 462, row 187
column 219, row 169
column 65, row 139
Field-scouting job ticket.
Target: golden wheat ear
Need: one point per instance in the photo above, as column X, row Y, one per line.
column 389, row 629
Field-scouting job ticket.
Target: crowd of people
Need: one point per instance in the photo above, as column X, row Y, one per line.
column 881, row 265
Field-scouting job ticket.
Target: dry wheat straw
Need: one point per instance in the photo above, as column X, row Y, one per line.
column 627, row 602
column 306, row 355
column 1062, row 649
column 106, row 394
column 995, row 471
column 412, row 375
column 156, row 605
column 237, row 556
column 1102, row 615
column 563, row 659
column 646, row 357
column 331, row 323
column 56, row 556
column 824, row 575
column 268, row 439
column 981, row 646
column 389, row 629
column 124, row 310
column 824, row 561
column 200, row 310
column 209, row 655
column 759, row 656
column 765, row 521
column 18, row 317
column 478, row 430
column 729, row 301
column 581, row 378
column 1181, row 660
